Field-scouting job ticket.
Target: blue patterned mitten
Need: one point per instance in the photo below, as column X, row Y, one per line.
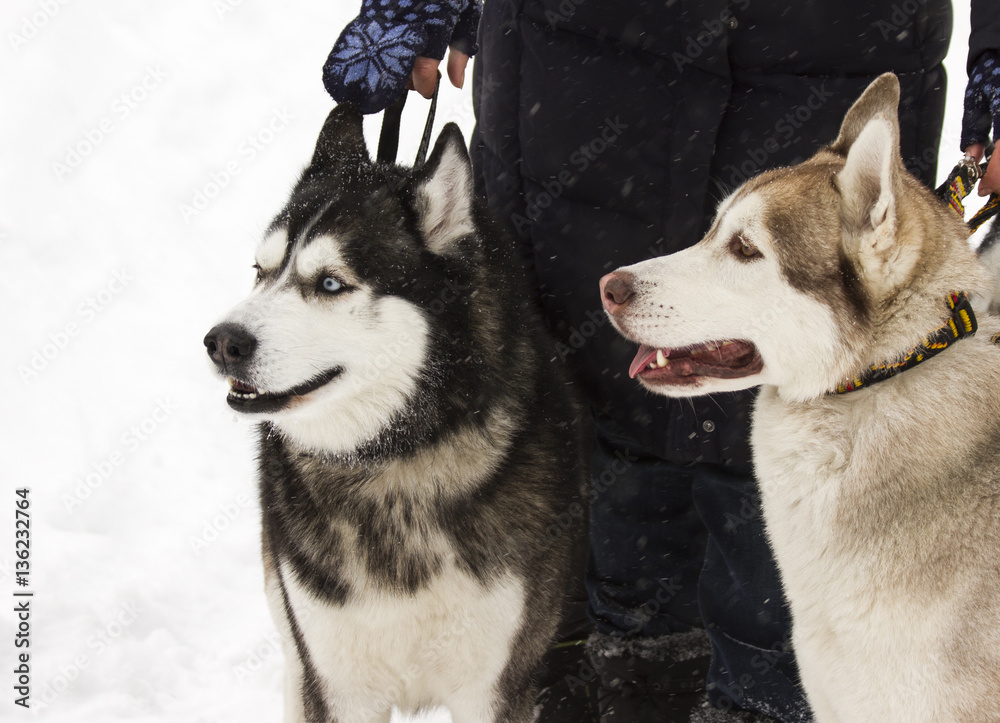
column 982, row 100
column 374, row 55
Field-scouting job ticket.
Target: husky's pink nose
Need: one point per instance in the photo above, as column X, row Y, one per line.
column 616, row 290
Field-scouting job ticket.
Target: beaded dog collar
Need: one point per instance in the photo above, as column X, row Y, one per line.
column 960, row 324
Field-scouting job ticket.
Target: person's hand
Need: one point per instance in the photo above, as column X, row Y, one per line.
column 982, row 113
column 397, row 44
column 425, row 72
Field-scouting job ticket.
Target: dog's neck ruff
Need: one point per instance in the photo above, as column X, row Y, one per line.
column 960, row 324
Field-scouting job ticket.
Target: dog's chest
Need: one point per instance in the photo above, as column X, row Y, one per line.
column 858, row 618
column 808, row 475
column 800, row 460
column 843, row 504
column 417, row 646
column 343, row 540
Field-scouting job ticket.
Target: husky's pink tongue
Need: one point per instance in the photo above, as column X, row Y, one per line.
column 643, row 357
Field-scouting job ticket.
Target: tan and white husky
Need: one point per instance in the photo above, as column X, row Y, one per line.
column 882, row 504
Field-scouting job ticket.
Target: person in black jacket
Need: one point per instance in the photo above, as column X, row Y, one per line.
column 606, row 134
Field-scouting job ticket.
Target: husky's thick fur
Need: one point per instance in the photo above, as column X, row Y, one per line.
column 883, row 504
column 989, row 252
column 420, row 460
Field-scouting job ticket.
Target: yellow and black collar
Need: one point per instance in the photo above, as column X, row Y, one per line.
column 960, row 324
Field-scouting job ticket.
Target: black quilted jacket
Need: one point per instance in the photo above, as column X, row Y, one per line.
column 608, row 131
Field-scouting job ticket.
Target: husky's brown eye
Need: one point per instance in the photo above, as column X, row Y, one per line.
column 260, row 273
column 740, row 247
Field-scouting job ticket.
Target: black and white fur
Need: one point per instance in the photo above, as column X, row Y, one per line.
column 420, row 459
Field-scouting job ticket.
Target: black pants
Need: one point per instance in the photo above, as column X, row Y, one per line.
column 677, row 547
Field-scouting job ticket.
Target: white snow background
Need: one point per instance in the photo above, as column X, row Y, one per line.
column 145, row 565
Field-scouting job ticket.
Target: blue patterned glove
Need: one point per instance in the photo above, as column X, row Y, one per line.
column 374, row 55
column 982, row 100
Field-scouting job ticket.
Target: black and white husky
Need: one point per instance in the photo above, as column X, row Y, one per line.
column 420, row 460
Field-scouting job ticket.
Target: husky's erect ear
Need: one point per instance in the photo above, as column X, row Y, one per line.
column 868, row 183
column 879, row 98
column 443, row 190
column 869, row 140
column 341, row 140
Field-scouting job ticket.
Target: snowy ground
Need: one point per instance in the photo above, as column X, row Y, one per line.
column 144, row 148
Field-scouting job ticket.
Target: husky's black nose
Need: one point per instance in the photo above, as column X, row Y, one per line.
column 229, row 345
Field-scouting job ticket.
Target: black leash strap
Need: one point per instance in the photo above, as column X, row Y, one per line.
column 388, row 139
column 425, row 140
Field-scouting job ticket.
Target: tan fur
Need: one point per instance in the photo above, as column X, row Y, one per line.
column 882, row 505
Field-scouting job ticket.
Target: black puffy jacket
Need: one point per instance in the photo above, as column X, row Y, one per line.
column 608, row 131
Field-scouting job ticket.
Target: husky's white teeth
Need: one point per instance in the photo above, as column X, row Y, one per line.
column 660, row 361
column 241, row 390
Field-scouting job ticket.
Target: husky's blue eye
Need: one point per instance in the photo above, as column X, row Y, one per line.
column 331, row 285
